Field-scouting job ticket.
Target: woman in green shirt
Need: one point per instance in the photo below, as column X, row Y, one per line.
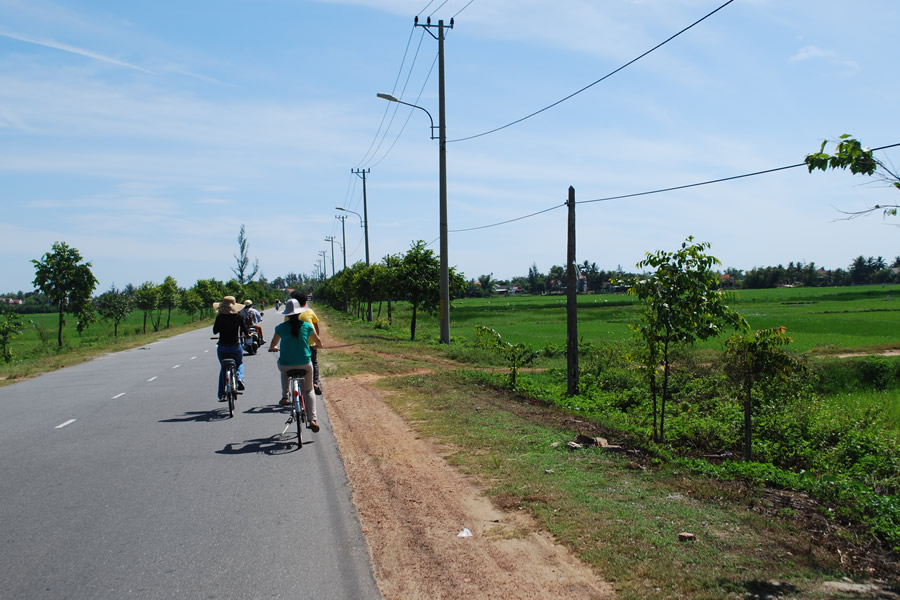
column 292, row 340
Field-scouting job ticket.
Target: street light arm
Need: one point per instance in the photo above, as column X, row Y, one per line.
column 362, row 223
column 390, row 98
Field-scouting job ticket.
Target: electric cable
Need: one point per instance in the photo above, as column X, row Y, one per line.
column 608, row 75
column 408, row 114
column 438, row 8
column 462, row 9
column 657, row 191
column 370, row 151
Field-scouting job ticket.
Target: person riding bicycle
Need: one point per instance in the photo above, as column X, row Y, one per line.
column 253, row 319
column 228, row 325
column 294, row 336
column 309, row 315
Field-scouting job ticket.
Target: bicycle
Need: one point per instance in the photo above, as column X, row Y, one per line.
column 231, row 387
column 298, row 404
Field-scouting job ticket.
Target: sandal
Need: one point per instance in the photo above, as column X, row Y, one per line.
column 314, row 426
column 284, row 402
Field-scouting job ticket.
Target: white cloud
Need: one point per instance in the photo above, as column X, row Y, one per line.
column 74, row 50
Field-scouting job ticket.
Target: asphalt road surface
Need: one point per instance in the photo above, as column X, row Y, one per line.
column 124, row 478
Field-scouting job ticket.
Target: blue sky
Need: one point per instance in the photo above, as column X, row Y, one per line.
column 145, row 133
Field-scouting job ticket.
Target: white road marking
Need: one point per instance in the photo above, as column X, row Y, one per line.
column 69, row 422
column 152, row 378
column 176, row 366
column 206, row 351
column 119, row 395
column 193, row 357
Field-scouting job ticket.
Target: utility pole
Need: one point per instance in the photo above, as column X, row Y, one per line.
column 343, row 237
column 330, row 238
column 442, row 160
column 362, row 173
column 571, row 303
column 322, row 254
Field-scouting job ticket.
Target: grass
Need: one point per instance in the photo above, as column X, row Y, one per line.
column 620, row 513
column 36, row 350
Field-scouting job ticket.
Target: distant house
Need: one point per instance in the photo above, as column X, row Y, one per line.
column 12, row 300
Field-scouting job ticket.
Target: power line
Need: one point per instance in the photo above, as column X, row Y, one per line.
column 408, row 114
column 462, row 9
column 438, row 8
column 608, row 75
column 510, row 220
column 657, row 191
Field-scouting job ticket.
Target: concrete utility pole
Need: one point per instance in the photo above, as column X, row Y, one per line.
column 362, row 173
column 343, row 237
column 330, row 238
column 322, row 254
column 571, row 303
column 442, row 143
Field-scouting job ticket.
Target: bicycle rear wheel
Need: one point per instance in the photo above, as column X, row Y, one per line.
column 297, row 407
column 232, row 392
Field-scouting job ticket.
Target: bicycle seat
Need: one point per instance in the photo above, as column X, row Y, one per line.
column 296, row 373
column 228, row 362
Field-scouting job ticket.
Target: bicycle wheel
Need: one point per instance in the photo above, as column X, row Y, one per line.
column 232, row 392
column 297, row 407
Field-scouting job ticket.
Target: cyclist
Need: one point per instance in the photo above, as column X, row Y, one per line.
column 253, row 319
column 309, row 315
column 294, row 336
column 228, row 325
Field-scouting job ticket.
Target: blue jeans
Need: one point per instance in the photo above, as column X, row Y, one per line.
column 235, row 352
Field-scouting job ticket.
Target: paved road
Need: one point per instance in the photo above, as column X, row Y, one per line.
column 124, row 478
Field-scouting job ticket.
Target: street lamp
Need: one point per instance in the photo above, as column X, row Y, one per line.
column 442, row 158
column 364, row 225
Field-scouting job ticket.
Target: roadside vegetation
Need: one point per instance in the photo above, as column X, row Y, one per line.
column 819, row 499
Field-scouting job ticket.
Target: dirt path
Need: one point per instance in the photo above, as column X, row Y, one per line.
column 412, row 505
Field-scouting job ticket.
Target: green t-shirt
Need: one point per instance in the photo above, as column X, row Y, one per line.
column 294, row 350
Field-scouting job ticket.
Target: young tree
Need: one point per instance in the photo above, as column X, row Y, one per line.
column 752, row 358
column 168, row 297
column 190, row 301
column 682, row 304
column 114, row 306
column 242, row 269
column 850, row 154
column 68, row 283
column 146, row 298
column 10, row 326
column 418, row 277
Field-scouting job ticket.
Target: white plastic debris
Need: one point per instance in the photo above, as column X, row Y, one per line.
column 464, row 533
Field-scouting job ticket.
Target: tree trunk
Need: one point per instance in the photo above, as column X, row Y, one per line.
column 61, row 321
column 747, row 420
column 662, row 408
column 412, row 325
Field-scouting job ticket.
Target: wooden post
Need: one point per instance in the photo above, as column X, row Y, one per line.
column 571, row 302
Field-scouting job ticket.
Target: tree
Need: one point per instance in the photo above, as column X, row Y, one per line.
column 10, row 326
column 68, row 283
column 114, row 306
column 168, row 297
column 534, row 278
column 752, row 358
column 190, row 302
column 418, row 277
column 146, row 298
column 209, row 290
column 850, row 154
column 242, row 270
column 682, row 304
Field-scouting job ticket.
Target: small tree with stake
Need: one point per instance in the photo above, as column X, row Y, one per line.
column 757, row 357
column 681, row 305
column 114, row 306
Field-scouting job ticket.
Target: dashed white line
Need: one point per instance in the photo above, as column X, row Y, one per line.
column 69, row 422
column 176, row 366
column 193, row 357
column 119, row 395
column 151, row 379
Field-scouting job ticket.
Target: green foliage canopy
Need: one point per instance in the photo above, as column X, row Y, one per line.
column 68, row 283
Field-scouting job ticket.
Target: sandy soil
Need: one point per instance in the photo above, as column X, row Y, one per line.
column 412, row 505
